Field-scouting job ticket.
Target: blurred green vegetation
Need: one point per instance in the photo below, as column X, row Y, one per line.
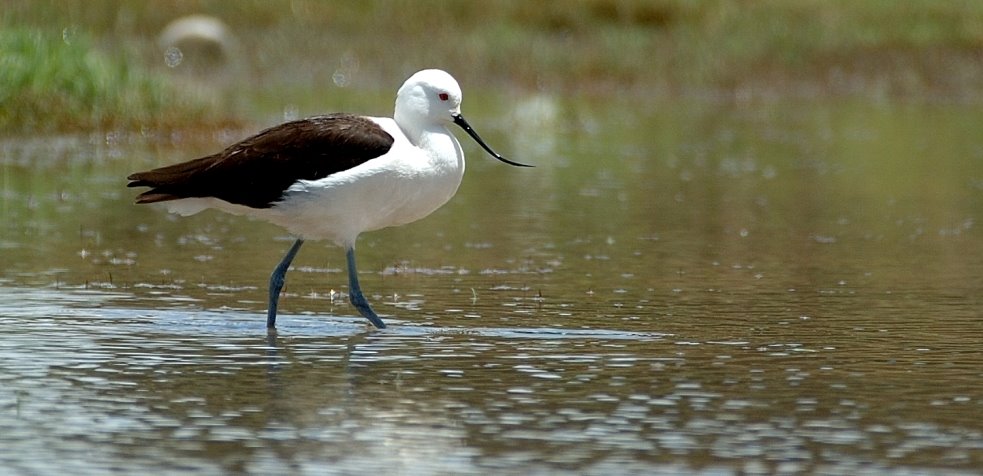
column 652, row 50
column 59, row 82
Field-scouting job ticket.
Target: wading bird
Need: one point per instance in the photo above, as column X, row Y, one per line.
column 332, row 177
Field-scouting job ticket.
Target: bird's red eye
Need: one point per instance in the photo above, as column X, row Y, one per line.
column 443, row 96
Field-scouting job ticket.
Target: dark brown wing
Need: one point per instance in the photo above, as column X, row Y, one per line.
column 256, row 172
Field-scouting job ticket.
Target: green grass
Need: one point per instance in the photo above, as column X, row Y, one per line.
column 289, row 51
column 56, row 81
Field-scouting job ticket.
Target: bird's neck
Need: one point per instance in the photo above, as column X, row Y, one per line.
column 423, row 134
column 413, row 129
column 434, row 140
column 441, row 146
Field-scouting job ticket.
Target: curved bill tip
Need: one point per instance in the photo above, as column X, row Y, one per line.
column 459, row 120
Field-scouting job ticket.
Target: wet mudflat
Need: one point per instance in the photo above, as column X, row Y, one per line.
column 675, row 288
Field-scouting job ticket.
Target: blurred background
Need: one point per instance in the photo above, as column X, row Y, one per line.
column 113, row 63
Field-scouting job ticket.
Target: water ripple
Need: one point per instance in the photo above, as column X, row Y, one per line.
column 87, row 381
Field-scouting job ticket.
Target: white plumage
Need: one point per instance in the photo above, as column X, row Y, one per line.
column 332, row 177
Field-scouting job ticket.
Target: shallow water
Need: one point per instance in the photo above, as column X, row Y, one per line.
column 675, row 288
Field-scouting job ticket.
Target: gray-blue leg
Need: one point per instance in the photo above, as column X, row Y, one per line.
column 276, row 282
column 355, row 292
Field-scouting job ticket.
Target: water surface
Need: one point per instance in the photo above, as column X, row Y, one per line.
column 677, row 287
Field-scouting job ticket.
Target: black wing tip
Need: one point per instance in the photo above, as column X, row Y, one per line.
column 153, row 196
column 138, row 179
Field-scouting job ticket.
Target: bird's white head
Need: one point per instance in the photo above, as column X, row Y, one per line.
column 430, row 96
column 433, row 98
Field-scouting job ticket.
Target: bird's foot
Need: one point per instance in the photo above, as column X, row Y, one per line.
column 358, row 300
